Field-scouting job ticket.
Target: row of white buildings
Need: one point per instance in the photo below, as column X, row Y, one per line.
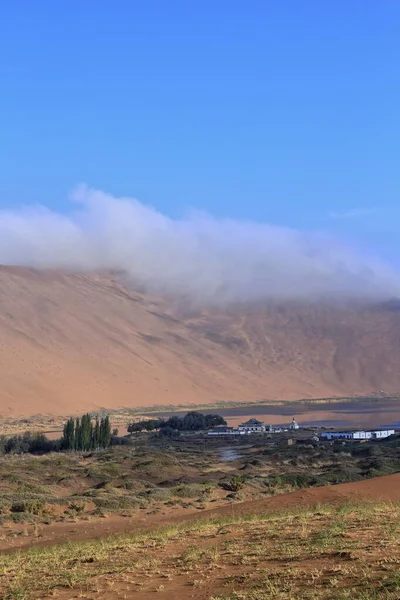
column 378, row 434
column 253, row 426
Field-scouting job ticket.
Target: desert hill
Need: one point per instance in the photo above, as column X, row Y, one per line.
column 70, row 342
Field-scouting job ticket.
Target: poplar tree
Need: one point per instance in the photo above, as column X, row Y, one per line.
column 78, row 435
column 68, row 439
column 86, row 432
column 82, row 434
column 96, row 435
column 105, row 432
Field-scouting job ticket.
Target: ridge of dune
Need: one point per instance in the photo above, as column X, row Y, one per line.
column 71, row 342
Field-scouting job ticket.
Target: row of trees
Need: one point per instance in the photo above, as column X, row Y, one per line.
column 193, row 421
column 86, row 433
column 28, row 442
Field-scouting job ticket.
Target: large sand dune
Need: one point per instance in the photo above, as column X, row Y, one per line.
column 71, row 342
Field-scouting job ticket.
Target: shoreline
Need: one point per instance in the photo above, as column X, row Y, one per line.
column 45, row 423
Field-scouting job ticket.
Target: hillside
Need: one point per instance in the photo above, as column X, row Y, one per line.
column 70, row 342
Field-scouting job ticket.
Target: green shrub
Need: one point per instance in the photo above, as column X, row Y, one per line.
column 77, row 506
column 156, row 494
column 233, row 484
column 33, row 507
column 4, row 507
column 22, row 517
column 186, row 490
column 120, row 503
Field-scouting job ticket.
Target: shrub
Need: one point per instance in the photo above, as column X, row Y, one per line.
column 22, row 517
column 234, row 484
column 186, row 490
column 117, row 503
column 33, row 507
column 77, row 506
column 4, row 507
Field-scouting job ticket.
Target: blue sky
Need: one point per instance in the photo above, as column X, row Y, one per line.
column 285, row 112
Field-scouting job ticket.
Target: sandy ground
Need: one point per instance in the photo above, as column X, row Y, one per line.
column 386, row 489
column 74, row 342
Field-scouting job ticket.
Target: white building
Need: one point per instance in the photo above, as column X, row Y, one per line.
column 357, row 435
column 252, row 426
column 224, row 431
column 294, row 425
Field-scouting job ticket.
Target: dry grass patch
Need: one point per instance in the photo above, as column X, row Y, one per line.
column 347, row 552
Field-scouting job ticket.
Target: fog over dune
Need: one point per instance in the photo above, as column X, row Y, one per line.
column 208, row 259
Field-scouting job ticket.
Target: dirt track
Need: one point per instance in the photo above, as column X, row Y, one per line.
column 385, row 489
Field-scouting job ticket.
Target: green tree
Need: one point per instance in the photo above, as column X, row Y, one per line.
column 68, row 439
column 105, row 432
column 150, row 425
column 96, row 435
column 78, row 435
column 214, row 420
column 86, row 432
column 135, row 427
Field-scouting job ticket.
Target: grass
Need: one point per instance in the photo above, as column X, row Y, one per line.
column 156, row 474
column 325, row 552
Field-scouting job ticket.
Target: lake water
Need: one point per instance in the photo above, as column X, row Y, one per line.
column 229, row 454
column 357, row 414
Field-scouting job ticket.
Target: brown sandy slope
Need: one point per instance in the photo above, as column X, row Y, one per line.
column 71, row 342
column 379, row 489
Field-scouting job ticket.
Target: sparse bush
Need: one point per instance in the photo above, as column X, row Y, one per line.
column 294, row 480
column 34, row 507
column 4, row 507
column 77, row 506
column 185, row 490
column 114, row 504
column 22, row 517
column 233, row 484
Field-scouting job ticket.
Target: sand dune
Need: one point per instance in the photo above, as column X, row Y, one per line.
column 71, row 342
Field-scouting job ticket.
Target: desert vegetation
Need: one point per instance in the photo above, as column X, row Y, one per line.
column 80, row 434
column 151, row 479
column 84, row 434
column 345, row 552
column 192, row 421
column 151, row 474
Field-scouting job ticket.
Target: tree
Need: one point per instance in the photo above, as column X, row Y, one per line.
column 86, row 434
column 150, row 425
column 78, row 435
column 193, row 421
column 173, row 422
column 169, row 432
column 135, row 427
column 13, row 445
column 68, row 439
column 96, row 435
column 105, row 432
column 214, row 421
column 26, row 442
column 40, row 443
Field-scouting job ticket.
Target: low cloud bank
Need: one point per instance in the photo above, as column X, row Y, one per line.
column 206, row 259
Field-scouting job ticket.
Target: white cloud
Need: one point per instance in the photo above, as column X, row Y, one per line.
column 353, row 213
column 207, row 259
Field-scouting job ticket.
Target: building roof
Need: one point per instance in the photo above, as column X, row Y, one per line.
column 252, row 422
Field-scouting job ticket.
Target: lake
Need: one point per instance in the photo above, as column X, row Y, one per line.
column 357, row 413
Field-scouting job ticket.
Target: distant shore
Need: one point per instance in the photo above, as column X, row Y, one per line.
column 276, row 411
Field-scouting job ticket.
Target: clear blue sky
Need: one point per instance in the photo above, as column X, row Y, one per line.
column 281, row 111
